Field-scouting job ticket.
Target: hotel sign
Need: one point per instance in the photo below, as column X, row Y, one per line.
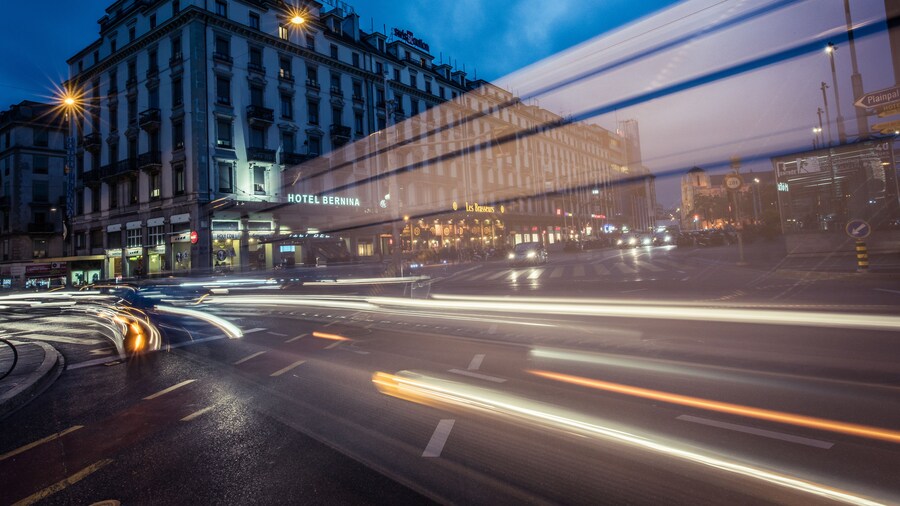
column 325, row 200
column 476, row 208
column 410, row 38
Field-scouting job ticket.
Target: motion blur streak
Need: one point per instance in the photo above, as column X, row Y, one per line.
column 733, row 409
column 268, row 300
column 368, row 281
column 225, row 326
column 437, row 392
column 704, row 314
column 333, row 337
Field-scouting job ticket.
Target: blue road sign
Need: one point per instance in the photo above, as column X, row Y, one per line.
column 858, row 229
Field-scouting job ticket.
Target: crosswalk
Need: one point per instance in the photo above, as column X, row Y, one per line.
column 610, row 268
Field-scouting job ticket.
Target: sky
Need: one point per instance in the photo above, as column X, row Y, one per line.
column 529, row 45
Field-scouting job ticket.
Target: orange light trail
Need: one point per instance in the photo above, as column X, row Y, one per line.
column 725, row 407
column 333, row 337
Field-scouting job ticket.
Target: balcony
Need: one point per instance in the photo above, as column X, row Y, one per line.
column 259, row 114
column 336, row 91
column 261, row 155
column 150, row 161
column 256, row 67
column 358, row 99
column 150, row 120
column 122, row 168
column 223, row 58
column 92, row 178
column 152, row 73
column 285, row 75
column 175, row 60
column 40, row 228
column 340, row 134
column 92, row 142
column 131, row 82
column 293, row 158
column 312, row 83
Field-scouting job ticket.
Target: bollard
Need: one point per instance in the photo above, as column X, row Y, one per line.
column 862, row 257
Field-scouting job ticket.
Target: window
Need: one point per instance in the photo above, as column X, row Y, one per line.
column 223, row 90
column 113, row 154
column 226, row 179
column 310, row 43
column 153, row 98
column 312, row 74
column 39, row 248
column 41, row 137
column 152, row 61
column 155, row 186
column 259, row 180
column 176, row 7
column 40, row 191
column 256, row 96
column 287, row 142
column 178, row 179
column 254, row 21
column 315, row 145
column 284, row 68
column 287, row 106
column 156, row 236
column 113, row 81
column 413, row 79
column 355, row 58
column 223, row 133
column 95, row 201
column 283, row 32
column 364, row 248
column 152, row 21
column 178, row 134
column 113, row 195
column 132, row 110
column 379, row 68
column 313, row 116
column 131, row 34
column 358, row 122
column 357, row 89
column 442, row 92
column 256, row 58
column 133, row 191
column 96, row 57
column 81, row 66
column 427, row 86
column 397, row 75
column 257, row 137
column 336, row 113
column 335, row 82
column 112, row 46
column 334, row 51
column 222, row 8
column 223, row 46
column 113, row 240
column 177, row 92
column 413, row 107
column 41, row 165
column 176, row 48
column 134, row 238
column 132, row 72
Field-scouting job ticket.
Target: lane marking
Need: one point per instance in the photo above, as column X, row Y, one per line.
column 645, row 265
column 475, row 364
column 810, row 422
column 477, row 375
column 578, row 271
column 557, row 272
column 61, row 339
column 288, row 368
column 535, row 273
column 888, row 291
column 253, row 330
column 248, row 357
column 195, row 414
column 439, row 438
column 333, row 345
column 301, row 336
column 601, row 270
column 167, row 390
column 60, row 485
column 279, row 334
column 39, row 442
column 624, row 269
column 817, row 443
column 497, row 275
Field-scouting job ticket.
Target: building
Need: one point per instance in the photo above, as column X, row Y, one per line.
column 221, row 135
column 32, row 195
column 705, row 203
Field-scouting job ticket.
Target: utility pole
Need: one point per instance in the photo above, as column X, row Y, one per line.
column 842, row 135
column 827, row 112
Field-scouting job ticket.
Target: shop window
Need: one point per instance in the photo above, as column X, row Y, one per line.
column 365, row 249
column 39, row 248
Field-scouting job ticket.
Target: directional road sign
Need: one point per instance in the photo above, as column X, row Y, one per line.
column 858, row 229
column 879, row 98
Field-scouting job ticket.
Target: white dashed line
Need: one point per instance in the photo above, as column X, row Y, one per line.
column 167, row 390
column 195, row 414
column 279, row 334
column 253, row 330
column 475, row 364
column 241, row 361
column 288, row 368
column 333, row 345
column 438, row 439
column 301, row 336
column 758, row 432
column 477, row 375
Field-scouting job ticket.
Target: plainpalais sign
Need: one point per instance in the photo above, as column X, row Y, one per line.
column 324, row 200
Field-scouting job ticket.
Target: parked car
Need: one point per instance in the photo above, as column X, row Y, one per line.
column 532, row 253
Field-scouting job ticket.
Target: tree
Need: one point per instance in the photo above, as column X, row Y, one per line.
column 711, row 207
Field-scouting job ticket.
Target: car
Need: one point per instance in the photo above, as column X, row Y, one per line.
column 628, row 241
column 528, row 253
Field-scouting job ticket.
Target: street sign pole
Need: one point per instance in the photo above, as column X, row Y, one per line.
column 859, row 230
column 733, row 183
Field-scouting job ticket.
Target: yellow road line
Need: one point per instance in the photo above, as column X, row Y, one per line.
column 60, row 485
column 40, row 442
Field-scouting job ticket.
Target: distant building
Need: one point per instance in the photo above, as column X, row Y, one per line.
column 705, row 203
column 32, row 194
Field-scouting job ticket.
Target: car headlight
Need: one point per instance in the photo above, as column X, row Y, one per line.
column 511, row 256
column 647, row 241
column 531, row 254
column 632, row 241
column 667, row 238
column 618, row 242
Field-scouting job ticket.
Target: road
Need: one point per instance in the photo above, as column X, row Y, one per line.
column 370, row 397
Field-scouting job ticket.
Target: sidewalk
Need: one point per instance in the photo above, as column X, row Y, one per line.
column 38, row 367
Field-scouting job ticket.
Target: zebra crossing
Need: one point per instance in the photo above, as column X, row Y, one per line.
column 597, row 270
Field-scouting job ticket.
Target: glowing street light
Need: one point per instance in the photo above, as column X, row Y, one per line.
column 297, row 20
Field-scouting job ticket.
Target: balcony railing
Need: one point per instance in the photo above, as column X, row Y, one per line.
column 92, row 177
column 261, row 155
column 285, row 75
column 151, row 160
column 259, row 114
column 358, row 99
column 340, row 134
column 256, row 67
column 40, row 228
column 152, row 73
column 131, row 82
column 175, row 59
column 224, row 58
column 150, row 119
column 312, row 83
column 93, row 142
column 293, row 158
column 337, row 91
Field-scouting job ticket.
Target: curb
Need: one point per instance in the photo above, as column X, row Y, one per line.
column 36, row 382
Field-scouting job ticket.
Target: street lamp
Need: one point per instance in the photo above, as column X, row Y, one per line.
column 70, row 104
column 842, row 134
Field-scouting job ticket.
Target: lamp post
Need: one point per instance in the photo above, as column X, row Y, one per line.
column 69, row 104
column 842, row 135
